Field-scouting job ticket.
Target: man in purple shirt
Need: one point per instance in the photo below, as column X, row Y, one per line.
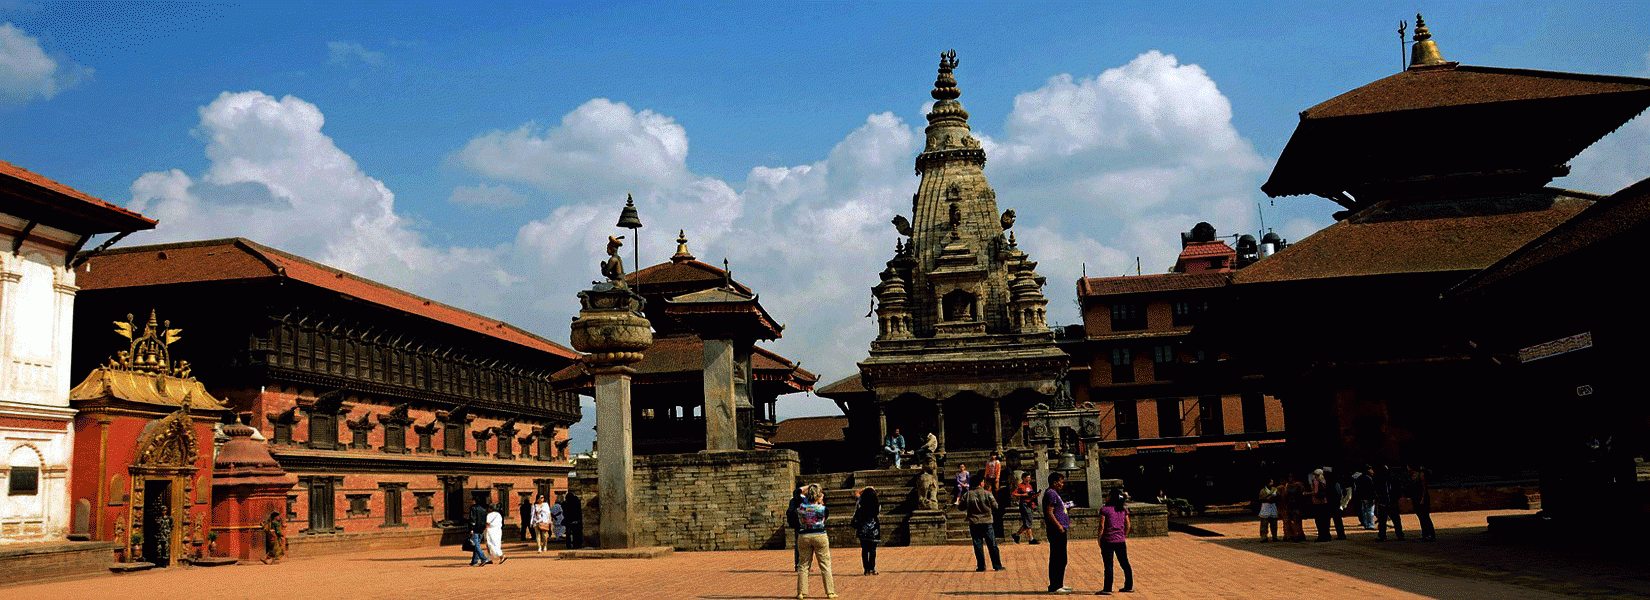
column 1055, row 523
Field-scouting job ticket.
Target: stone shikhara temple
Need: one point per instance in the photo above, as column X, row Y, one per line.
column 963, row 348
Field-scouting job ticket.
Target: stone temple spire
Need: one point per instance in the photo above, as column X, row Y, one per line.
column 948, row 112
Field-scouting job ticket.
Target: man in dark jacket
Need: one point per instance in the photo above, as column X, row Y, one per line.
column 572, row 518
column 981, row 506
column 478, row 525
column 792, row 520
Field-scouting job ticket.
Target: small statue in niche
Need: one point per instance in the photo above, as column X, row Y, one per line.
column 613, row 267
column 902, row 225
column 956, row 215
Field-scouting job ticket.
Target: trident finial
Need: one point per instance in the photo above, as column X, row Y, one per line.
column 948, row 59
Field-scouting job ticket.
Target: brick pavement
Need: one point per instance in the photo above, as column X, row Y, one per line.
column 1465, row 563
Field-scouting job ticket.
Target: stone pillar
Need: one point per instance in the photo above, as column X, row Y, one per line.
column 1042, row 473
column 1097, row 492
column 721, row 426
column 939, row 425
column 997, row 425
column 615, row 462
column 610, row 328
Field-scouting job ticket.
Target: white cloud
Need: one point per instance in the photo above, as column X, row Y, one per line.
column 27, row 73
column 345, row 53
column 1100, row 170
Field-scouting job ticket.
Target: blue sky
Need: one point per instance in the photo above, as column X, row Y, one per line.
column 479, row 156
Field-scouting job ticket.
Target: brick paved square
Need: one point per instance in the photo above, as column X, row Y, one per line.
column 1465, row 563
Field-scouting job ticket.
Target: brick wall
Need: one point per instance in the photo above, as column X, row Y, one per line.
column 704, row 501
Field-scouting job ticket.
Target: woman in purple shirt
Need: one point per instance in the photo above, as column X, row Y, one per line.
column 1113, row 535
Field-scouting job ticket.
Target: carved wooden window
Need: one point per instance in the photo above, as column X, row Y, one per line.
column 453, row 443
column 453, row 497
column 359, row 432
column 281, row 426
column 425, row 433
column 1126, row 316
column 305, row 347
column 503, row 498
column 360, row 505
column 323, row 498
column 351, row 358
column 1122, row 365
column 395, row 437
column 323, row 431
column 423, row 503
column 544, row 440
column 291, row 506
column 505, row 446
column 392, row 503
column 335, row 356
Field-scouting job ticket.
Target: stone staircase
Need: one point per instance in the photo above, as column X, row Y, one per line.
column 902, row 523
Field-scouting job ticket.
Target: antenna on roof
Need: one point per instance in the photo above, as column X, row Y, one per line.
column 1137, row 265
column 1403, row 62
column 1262, row 213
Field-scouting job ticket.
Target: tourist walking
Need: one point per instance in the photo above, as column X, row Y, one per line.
column 572, row 515
column 1055, row 523
column 541, row 522
column 894, row 445
column 867, row 528
column 478, row 532
column 495, row 534
column 1113, row 534
column 1338, row 497
column 812, row 542
column 1388, row 490
column 525, row 511
column 980, row 507
column 1025, row 497
column 558, row 517
column 1269, row 509
column 1294, row 504
column 1363, row 496
column 962, row 483
column 1420, row 500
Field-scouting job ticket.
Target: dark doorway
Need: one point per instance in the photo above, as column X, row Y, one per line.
column 157, row 522
column 968, row 423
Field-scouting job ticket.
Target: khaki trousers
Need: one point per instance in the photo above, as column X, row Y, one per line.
column 810, row 545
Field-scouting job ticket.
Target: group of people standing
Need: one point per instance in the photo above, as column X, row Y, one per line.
column 1324, row 497
column 542, row 521
column 806, row 516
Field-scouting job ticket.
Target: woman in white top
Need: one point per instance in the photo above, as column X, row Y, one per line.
column 495, row 535
column 540, row 522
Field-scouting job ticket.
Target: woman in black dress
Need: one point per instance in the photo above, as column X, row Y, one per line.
column 866, row 528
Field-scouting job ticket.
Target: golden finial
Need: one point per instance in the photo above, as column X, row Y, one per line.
column 1425, row 52
column 681, row 247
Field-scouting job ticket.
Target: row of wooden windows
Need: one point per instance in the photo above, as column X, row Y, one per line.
column 323, row 435
column 322, row 493
column 1211, row 416
column 1128, row 316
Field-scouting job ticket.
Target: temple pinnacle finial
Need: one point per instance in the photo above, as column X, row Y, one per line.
column 1425, row 52
column 682, row 253
column 946, row 106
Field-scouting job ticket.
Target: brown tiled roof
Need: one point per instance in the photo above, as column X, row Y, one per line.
column 84, row 213
column 799, row 430
column 234, row 259
column 1203, row 249
column 683, row 274
column 1369, row 245
column 1617, row 214
column 1463, row 85
column 851, row 384
column 1140, row 284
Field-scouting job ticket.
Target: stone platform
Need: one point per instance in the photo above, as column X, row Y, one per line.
column 647, row 552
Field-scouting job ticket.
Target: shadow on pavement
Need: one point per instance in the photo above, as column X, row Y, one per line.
column 1593, row 570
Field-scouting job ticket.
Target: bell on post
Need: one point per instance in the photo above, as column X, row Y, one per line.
column 628, row 218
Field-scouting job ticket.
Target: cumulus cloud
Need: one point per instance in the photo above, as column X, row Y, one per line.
column 1101, row 169
column 27, row 73
column 275, row 178
column 345, row 53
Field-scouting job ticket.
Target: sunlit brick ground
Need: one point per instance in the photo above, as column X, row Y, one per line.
column 1464, row 563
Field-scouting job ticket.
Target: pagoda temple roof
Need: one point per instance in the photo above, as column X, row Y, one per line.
column 684, row 275
column 29, row 195
column 800, row 430
column 1449, row 119
column 1625, row 212
column 851, row 384
column 1410, row 237
column 238, row 259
